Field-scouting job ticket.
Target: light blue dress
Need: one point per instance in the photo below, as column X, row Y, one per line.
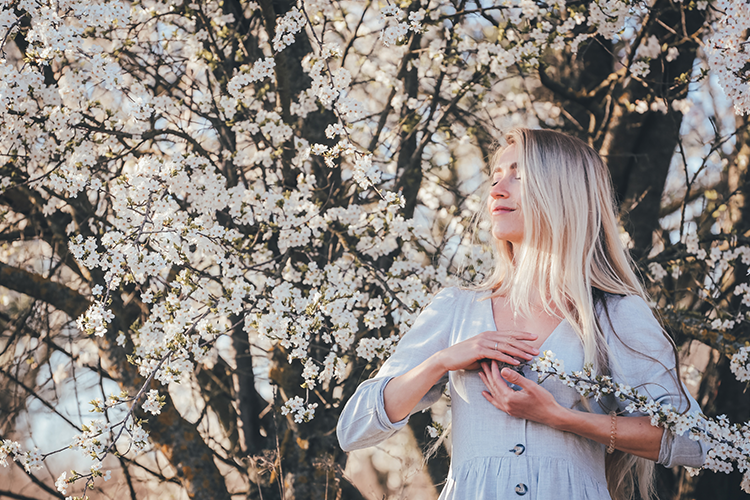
column 496, row 456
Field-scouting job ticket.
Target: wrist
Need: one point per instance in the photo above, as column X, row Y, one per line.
column 437, row 362
column 564, row 419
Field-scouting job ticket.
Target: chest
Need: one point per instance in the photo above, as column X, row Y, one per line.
column 466, row 387
column 541, row 323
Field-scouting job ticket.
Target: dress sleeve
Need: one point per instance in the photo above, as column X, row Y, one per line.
column 363, row 422
column 642, row 357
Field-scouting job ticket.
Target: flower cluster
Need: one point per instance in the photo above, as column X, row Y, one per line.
column 299, row 410
column 154, row 402
column 99, row 406
column 63, row 480
column 395, row 32
column 740, row 364
column 657, row 271
column 95, row 320
column 368, row 348
column 29, row 459
column 94, row 439
column 138, row 436
column 730, row 443
column 728, row 52
column 293, row 22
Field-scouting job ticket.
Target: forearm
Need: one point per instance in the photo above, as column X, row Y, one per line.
column 403, row 393
column 634, row 435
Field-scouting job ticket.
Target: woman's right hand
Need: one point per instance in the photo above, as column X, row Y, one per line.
column 506, row 346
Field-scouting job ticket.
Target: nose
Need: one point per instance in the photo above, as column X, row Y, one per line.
column 500, row 187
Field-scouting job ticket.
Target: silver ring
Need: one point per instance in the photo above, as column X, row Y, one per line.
column 496, row 346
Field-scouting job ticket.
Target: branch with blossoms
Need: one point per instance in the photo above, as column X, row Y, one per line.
column 97, row 439
column 711, row 271
column 730, row 443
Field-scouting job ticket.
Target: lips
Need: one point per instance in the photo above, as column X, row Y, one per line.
column 503, row 210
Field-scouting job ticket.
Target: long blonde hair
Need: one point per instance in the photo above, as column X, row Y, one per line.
column 571, row 247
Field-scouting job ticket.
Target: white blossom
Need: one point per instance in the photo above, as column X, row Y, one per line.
column 153, row 403
column 297, row 408
column 740, row 364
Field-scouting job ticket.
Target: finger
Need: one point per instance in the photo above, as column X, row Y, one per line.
column 489, row 397
column 516, row 334
column 500, row 385
column 522, row 344
column 491, row 392
column 485, row 381
column 493, row 383
column 492, row 353
column 515, row 378
column 527, row 348
column 485, row 375
column 519, row 351
column 518, row 345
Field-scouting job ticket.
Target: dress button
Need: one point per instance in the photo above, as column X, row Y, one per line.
column 521, row 489
column 518, row 449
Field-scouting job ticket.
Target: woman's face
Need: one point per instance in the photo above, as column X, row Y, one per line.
column 505, row 199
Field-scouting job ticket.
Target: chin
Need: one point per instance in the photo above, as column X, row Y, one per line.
column 503, row 239
column 507, row 236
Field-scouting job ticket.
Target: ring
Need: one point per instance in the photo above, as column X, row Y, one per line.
column 496, row 346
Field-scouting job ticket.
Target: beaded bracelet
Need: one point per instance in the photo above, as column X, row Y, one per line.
column 612, row 432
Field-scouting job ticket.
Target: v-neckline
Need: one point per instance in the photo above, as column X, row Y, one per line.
column 541, row 347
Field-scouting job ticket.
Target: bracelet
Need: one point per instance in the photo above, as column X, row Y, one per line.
column 612, row 433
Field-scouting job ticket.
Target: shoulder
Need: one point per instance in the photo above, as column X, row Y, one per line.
column 629, row 320
column 457, row 295
column 627, row 306
column 448, row 301
column 428, row 326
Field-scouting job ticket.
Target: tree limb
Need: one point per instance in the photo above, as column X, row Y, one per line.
column 35, row 285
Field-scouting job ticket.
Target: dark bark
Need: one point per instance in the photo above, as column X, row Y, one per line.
column 598, row 95
column 290, row 79
column 409, row 169
column 41, row 288
column 250, row 404
column 647, row 168
column 308, row 452
column 216, row 386
column 639, row 147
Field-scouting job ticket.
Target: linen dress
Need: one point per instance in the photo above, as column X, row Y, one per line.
column 496, row 456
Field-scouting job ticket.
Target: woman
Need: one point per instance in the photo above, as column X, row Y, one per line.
column 562, row 275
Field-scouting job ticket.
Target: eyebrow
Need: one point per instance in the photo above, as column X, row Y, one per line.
column 502, row 165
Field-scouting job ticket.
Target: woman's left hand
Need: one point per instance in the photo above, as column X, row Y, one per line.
column 532, row 402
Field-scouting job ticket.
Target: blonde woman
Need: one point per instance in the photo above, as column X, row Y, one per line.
column 562, row 282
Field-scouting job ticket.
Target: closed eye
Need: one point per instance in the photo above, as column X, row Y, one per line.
column 513, row 167
column 497, row 173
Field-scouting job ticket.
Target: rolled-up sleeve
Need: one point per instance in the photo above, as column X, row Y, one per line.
column 363, row 422
column 642, row 357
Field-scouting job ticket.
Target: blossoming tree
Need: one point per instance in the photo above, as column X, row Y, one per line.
column 254, row 200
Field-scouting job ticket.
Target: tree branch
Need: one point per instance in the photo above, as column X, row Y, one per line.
column 36, row 286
